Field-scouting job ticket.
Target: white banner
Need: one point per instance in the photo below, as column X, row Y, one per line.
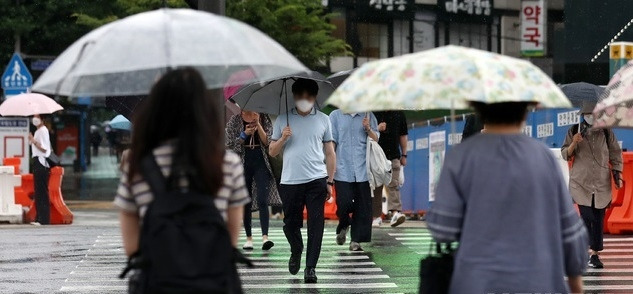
column 437, row 149
column 14, row 140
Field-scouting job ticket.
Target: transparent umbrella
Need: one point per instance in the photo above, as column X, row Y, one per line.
column 126, row 57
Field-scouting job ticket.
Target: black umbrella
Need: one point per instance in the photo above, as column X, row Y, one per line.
column 272, row 96
column 582, row 93
column 338, row 78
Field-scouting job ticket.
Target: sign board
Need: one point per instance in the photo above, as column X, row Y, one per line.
column 568, row 118
column 467, row 8
column 533, row 28
column 384, row 9
column 619, row 54
column 437, row 150
column 41, row 64
column 16, row 78
column 14, row 138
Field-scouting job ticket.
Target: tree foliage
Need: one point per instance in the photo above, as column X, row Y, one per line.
column 48, row 27
column 301, row 26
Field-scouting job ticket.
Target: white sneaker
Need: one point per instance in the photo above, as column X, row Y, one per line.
column 397, row 219
column 248, row 245
column 276, row 216
column 377, row 222
column 36, row 224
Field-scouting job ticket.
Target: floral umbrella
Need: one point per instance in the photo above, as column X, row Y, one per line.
column 446, row 78
column 615, row 108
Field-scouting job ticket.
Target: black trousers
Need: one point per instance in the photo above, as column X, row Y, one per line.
column 255, row 170
column 594, row 221
column 355, row 199
column 294, row 197
column 42, row 201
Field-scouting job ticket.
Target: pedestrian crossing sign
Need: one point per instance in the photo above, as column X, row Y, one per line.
column 16, row 78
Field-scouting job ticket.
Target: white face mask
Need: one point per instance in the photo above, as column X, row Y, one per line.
column 588, row 119
column 36, row 121
column 304, row 105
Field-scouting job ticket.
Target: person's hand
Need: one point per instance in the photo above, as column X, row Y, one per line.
column 577, row 138
column 329, row 193
column 31, row 139
column 619, row 184
column 249, row 130
column 366, row 124
column 286, row 133
column 403, row 160
column 382, row 127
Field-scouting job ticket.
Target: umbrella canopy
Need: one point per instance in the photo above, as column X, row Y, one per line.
column 615, row 108
column 582, row 93
column 275, row 96
column 446, row 78
column 124, row 105
column 338, row 78
column 29, row 104
column 126, row 57
column 121, row 123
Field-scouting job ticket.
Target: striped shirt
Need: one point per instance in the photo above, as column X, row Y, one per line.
column 135, row 198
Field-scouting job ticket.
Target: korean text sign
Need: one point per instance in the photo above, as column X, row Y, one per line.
column 533, row 28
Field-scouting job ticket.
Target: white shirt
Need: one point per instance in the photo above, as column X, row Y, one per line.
column 42, row 136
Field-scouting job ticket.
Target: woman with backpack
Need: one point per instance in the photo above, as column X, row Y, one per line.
column 181, row 193
column 248, row 134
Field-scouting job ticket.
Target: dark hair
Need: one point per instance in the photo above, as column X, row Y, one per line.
column 301, row 86
column 506, row 113
column 177, row 108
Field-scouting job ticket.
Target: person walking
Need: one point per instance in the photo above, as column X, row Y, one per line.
column 95, row 140
column 353, row 193
column 502, row 196
column 40, row 150
column 248, row 134
column 304, row 134
column 596, row 157
column 393, row 140
column 182, row 131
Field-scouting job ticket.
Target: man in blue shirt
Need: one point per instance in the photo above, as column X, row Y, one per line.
column 353, row 192
column 309, row 161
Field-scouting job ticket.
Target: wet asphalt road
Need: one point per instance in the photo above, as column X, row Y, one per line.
column 86, row 257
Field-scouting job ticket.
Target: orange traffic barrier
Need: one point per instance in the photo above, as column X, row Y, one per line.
column 620, row 219
column 329, row 211
column 24, row 192
column 60, row 214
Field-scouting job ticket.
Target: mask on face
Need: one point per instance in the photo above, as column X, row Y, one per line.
column 36, row 121
column 304, row 105
column 588, row 119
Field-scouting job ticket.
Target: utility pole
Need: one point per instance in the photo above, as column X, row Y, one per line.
column 213, row 6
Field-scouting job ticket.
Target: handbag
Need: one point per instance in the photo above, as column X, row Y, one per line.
column 436, row 270
column 53, row 160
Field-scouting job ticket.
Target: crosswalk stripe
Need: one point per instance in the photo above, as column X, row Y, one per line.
column 338, row 268
column 320, row 286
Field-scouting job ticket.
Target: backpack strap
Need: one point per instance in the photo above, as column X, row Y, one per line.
column 153, row 175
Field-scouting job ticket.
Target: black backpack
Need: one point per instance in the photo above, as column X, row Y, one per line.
column 184, row 246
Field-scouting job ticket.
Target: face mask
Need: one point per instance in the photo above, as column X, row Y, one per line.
column 36, row 121
column 588, row 119
column 304, row 105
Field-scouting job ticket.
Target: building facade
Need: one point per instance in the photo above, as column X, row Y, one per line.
column 385, row 28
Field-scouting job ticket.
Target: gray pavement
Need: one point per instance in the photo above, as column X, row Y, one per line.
column 86, row 257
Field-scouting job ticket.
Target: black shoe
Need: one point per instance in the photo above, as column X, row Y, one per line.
column 294, row 263
column 268, row 245
column 595, row 262
column 310, row 276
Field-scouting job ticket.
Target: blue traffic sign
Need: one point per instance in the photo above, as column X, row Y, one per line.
column 17, row 78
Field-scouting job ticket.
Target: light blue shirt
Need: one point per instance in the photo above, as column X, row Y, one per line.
column 351, row 145
column 303, row 153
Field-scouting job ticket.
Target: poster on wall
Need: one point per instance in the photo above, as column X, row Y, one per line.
column 67, row 144
column 14, row 140
column 533, row 28
column 437, row 149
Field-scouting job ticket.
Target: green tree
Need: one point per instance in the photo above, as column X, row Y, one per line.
column 122, row 8
column 301, row 26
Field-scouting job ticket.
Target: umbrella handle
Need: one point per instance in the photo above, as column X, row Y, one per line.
column 287, row 113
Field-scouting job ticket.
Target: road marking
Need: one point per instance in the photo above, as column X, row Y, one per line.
column 319, row 270
column 320, row 286
column 607, row 287
column 414, row 238
column 409, row 234
column 321, row 264
column 609, row 278
column 93, row 288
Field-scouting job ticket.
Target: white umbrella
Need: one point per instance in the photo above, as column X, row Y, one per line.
column 126, row 57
